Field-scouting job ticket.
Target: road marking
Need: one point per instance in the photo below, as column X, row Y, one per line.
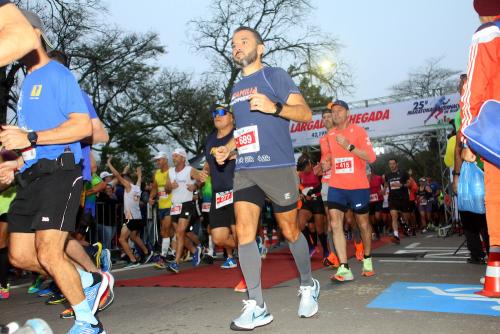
column 421, row 261
column 413, row 245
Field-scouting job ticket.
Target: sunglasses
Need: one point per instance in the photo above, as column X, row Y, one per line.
column 219, row 111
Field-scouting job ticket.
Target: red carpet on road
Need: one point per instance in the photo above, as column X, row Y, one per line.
column 278, row 267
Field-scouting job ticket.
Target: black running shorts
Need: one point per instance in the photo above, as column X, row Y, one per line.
column 49, row 202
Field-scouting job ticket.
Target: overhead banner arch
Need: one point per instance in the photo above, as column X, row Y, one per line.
column 385, row 120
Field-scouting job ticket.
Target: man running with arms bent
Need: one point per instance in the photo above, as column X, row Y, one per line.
column 263, row 102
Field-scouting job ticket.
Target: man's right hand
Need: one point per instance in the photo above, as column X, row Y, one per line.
column 7, row 169
column 468, row 155
column 221, row 154
column 152, row 201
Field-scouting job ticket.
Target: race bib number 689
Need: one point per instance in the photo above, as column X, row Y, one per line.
column 247, row 139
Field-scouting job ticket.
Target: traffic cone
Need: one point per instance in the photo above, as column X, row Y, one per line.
column 494, row 254
column 491, row 287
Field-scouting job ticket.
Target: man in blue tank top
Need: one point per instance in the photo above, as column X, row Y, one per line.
column 263, row 103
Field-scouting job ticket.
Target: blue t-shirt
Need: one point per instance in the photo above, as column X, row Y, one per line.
column 222, row 175
column 48, row 96
column 268, row 136
column 3, row 2
column 86, row 169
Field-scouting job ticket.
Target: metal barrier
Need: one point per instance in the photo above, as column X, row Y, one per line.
column 109, row 219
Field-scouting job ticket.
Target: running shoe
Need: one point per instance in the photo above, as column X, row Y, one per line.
column 109, row 295
column 332, row 260
column 360, row 250
column 309, row 296
column 197, row 256
column 147, row 258
column 97, row 254
column 252, row 316
column 241, row 286
column 56, row 299
column 5, row 292
column 81, row 327
column 94, row 292
column 230, row 263
column 48, row 291
column 106, row 263
column 160, row 264
column 343, row 274
column 208, row 258
column 368, row 267
column 173, row 267
column 36, row 286
column 263, row 255
column 395, row 240
column 133, row 265
column 67, row 313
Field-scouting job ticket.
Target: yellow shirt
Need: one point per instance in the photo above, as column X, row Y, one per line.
column 164, row 199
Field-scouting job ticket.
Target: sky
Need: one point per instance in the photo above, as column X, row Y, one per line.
column 382, row 40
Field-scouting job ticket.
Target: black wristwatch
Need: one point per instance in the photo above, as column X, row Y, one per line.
column 279, row 108
column 455, row 173
column 32, row 137
column 351, row 147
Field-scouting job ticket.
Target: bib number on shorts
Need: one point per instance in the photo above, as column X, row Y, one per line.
column 373, row 198
column 176, row 210
column 29, row 154
column 205, row 207
column 247, row 139
column 344, row 165
column 223, row 198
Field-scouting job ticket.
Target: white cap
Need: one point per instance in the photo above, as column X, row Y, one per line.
column 105, row 174
column 160, row 155
column 181, row 152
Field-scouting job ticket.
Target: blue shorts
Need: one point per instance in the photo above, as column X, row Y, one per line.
column 343, row 199
column 163, row 213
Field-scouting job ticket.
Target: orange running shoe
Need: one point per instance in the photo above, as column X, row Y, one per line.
column 331, row 261
column 360, row 251
column 241, row 286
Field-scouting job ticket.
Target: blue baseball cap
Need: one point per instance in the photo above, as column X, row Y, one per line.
column 338, row 103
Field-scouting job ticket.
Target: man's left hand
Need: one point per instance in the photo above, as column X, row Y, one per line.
column 262, row 103
column 14, row 138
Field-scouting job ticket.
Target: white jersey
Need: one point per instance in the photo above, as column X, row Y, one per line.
column 181, row 194
column 131, row 202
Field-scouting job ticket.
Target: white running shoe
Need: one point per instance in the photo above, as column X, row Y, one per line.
column 309, row 296
column 252, row 316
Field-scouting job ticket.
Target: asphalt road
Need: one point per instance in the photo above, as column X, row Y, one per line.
column 343, row 307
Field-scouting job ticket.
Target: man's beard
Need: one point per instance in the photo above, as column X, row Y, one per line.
column 247, row 60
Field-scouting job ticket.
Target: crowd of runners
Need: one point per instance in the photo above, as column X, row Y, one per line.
column 60, row 217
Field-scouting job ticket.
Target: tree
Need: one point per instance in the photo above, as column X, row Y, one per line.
column 112, row 66
column 181, row 110
column 274, row 20
column 429, row 80
column 313, row 94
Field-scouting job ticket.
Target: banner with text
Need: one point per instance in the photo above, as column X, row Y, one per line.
column 386, row 119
